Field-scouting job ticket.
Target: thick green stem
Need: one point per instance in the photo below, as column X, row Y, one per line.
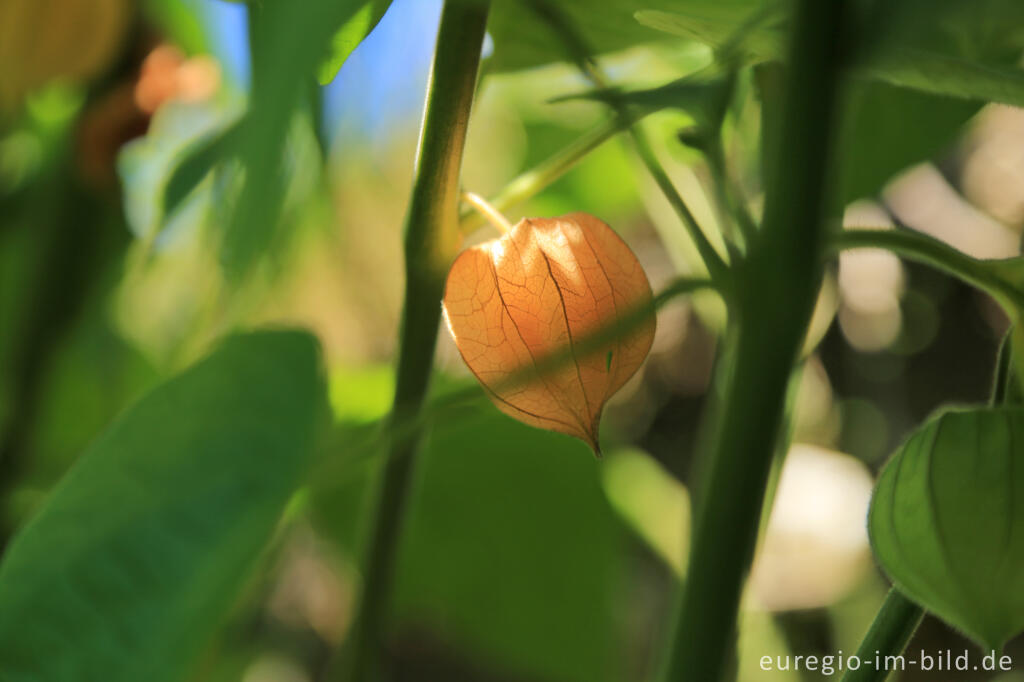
column 774, row 297
column 888, row 635
column 431, row 241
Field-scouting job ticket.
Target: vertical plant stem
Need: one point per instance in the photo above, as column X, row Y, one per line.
column 431, row 240
column 888, row 635
column 775, row 291
column 1006, row 388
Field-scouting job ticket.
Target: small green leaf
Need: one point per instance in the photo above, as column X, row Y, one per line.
column 138, row 553
column 947, row 520
column 348, row 37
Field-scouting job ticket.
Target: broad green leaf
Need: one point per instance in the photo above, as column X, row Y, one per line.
column 958, row 50
column 653, row 502
column 886, row 129
column 289, row 40
column 134, row 559
column 948, row 75
column 349, row 36
column 715, row 25
column 522, row 41
column 511, row 552
column 947, row 520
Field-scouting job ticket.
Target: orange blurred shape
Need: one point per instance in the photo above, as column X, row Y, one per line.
column 541, row 290
column 166, row 74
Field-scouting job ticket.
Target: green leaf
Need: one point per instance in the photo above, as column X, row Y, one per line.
column 653, row 503
column 886, row 129
column 948, row 75
column 947, row 520
column 916, row 82
column 196, row 165
column 715, row 25
column 512, row 553
column 179, row 21
column 968, row 54
column 522, row 41
column 702, row 95
column 348, row 37
column 134, row 559
column 289, row 40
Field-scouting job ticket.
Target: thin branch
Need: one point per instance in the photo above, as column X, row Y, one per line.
column 921, row 248
column 488, row 211
column 715, row 264
column 532, row 182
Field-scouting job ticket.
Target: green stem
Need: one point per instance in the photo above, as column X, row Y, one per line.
column 728, row 215
column 774, row 296
column 728, row 194
column 930, row 251
column 888, row 635
column 1006, row 388
column 531, row 182
column 431, row 241
column 717, row 268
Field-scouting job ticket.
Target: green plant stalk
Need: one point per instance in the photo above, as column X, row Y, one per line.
column 431, row 241
column 889, row 634
column 1006, row 387
column 530, row 183
column 995, row 277
column 921, row 248
column 727, row 194
column 716, row 266
column 773, row 300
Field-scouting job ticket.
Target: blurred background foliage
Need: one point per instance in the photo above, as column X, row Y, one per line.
column 162, row 184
